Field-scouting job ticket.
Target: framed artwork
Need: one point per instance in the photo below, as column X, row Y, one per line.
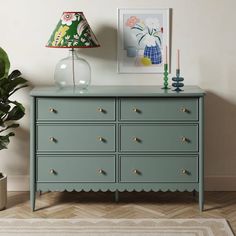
column 143, row 40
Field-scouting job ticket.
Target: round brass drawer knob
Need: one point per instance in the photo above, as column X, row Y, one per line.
column 100, row 171
column 52, row 139
column 100, row 109
column 184, row 110
column 52, row 110
column 52, row 171
column 135, row 110
column 184, row 171
column 135, row 171
column 184, row 139
column 135, row 139
column 101, row 139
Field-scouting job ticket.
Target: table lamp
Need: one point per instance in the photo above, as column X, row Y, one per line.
column 73, row 31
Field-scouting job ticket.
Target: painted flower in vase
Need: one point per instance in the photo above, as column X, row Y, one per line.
column 149, row 34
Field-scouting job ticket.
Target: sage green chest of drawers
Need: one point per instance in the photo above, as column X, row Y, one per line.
column 117, row 139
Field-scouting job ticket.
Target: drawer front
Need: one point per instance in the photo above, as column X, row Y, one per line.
column 76, row 168
column 83, row 109
column 158, row 168
column 159, row 137
column 162, row 109
column 76, row 137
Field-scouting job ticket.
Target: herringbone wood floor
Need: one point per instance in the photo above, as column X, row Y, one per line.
column 131, row 205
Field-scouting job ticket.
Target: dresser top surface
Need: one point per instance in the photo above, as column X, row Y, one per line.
column 116, row 91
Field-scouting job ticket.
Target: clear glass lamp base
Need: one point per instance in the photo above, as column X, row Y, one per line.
column 73, row 71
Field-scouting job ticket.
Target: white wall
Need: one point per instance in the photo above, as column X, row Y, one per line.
column 204, row 30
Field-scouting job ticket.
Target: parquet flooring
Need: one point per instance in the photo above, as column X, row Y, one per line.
column 131, row 205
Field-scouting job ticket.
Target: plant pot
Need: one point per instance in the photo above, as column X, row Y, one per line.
column 3, row 192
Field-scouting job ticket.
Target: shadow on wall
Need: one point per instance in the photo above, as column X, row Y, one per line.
column 106, row 36
column 21, row 151
column 220, row 136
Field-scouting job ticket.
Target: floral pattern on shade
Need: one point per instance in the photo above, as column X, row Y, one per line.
column 72, row 31
column 67, row 18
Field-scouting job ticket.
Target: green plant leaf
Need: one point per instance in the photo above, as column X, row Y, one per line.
column 12, row 84
column 10, row 126
column 5, row 140
column 4, row 107
column 14, row 74
column 16, row 112
column 20, row 87
column 9, row 110
column 4, row 64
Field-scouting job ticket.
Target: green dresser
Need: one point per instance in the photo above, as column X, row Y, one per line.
column 117, row 138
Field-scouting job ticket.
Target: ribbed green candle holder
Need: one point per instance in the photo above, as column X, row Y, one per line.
column 166, row 73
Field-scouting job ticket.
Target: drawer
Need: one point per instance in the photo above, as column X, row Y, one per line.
column 76, row 168
column 158, row 168
column 80, row 109
column 159, row 137
column 76, row 137
column 160, row 109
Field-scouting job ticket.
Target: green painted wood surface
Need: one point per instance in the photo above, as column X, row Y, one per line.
column 33, row 167
column 116, row 91
column 85, row 109
column 158, row 168
column 158, row 137
column 134, row 186
column 75, row 137
column 157, row 151
column 154, row 109
column 76, row 168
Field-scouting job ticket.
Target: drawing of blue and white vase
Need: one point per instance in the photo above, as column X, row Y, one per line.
column 152, row 50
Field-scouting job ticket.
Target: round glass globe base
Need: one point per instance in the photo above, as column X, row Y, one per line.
column 73, row 71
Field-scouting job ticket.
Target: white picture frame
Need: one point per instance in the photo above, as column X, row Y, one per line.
column 143, row 40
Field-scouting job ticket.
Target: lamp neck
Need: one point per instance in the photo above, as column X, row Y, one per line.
column 72, row 54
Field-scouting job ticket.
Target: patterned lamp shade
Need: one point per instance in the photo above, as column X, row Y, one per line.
column 73, row 31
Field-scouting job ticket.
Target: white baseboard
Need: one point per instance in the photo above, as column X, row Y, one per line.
column 212, row 183
column 18, row 183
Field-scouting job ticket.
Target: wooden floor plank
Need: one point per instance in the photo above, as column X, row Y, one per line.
column 131, row 205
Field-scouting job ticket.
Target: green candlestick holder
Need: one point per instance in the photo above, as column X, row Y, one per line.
column 165, row 77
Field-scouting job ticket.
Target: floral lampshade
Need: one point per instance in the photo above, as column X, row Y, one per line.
column 73, row 31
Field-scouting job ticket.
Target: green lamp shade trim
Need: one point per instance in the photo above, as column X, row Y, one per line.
column 73, row 31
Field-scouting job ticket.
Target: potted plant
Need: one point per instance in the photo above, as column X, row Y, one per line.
column 10, row 111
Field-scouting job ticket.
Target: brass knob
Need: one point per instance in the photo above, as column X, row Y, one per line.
column 101, row 139
column 100, row 171
column 100, row 109
column 184, row 139
column 135, row 110
column 52, row 109
column 184, row 171
column 52, row 139
column 52, row 171
column 183, row 109
column 135, row 171
column 135, row 139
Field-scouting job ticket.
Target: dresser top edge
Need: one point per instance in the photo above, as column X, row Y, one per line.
column 117, row 91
